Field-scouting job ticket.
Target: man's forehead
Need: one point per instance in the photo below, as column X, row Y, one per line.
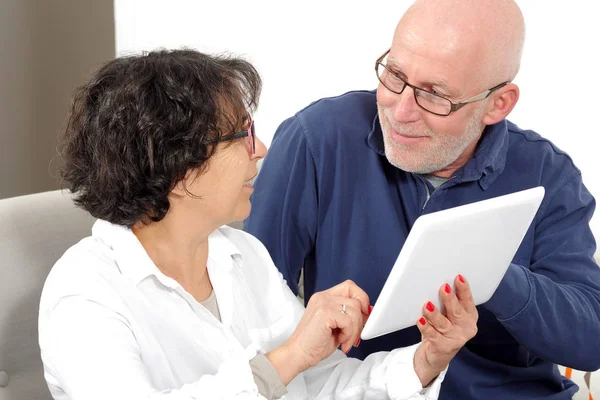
column 465, row 35
column 422, row 71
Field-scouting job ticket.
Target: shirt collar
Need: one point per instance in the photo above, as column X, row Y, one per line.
column 133, row 261
column 223, row 251
column 486, row 164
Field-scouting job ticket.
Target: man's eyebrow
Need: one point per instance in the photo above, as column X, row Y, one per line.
column 391, row 61
column 443, row 85
column 439, row 83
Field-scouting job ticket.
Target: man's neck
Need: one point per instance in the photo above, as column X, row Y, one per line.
column 460, row 162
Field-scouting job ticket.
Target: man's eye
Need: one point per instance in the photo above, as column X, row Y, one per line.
column 394, row 72
column 441, row 94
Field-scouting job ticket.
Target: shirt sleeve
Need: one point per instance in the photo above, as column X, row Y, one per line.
column 552, row 307
column 286, row 184
column 97, row 358
column 267, row 378
column 382, row 375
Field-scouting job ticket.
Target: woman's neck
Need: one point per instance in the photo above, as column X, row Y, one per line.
column 180, row 252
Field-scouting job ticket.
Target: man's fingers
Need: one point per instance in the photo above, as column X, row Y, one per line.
column 351, row 290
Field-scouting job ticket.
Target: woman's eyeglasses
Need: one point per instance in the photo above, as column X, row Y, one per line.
column 247, row 133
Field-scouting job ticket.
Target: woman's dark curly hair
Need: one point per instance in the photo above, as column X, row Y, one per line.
column 142, row 122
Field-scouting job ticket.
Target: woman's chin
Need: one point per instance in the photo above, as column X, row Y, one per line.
column 241, row 213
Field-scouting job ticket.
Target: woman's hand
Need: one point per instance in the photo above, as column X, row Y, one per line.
column 332, row 318
column 443, row 335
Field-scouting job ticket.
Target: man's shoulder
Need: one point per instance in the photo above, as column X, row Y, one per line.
column 356, row 100
column 350, row 115
column 531, row 145
column 351, row 108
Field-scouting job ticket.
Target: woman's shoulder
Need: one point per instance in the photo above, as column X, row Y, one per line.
column 84, row 270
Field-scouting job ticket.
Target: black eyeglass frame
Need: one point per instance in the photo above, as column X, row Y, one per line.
column 250, row 133
column 453, row 106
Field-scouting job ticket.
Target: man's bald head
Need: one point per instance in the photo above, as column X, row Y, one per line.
column 485, row 37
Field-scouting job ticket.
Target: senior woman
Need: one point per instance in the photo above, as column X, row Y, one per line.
column 164, row 300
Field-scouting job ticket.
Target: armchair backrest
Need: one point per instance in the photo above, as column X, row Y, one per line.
column 35, row 230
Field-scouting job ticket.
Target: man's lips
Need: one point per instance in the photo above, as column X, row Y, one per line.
column 406, row 139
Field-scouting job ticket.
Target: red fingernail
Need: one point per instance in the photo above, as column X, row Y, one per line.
column 447, row 288
column 422, row 321
column 357, row 343
column 370, row 309
column 461, row 278
column 430, row 306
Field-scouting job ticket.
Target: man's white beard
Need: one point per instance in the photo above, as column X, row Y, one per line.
column 441, row 152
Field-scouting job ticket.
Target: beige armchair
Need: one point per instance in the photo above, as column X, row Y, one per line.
column 35, row 230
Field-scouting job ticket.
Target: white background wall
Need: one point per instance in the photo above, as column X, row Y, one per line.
column 314, row 48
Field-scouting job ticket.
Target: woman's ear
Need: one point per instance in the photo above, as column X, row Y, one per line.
column 501, row 104
column 180, row 188
column 184, row 188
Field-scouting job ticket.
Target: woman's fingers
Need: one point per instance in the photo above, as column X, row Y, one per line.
column 463, row 292
column 428, row 332
column 351, row 290
column 454, row 310
column 334, row 317
column 349, row 334
column 436, row 319
column 346, row 332
column 445, row 333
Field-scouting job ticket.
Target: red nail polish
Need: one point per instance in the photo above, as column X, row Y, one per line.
column 370, row 309
column 461, row 278
column 447, row 288
column 422, row 321
column 430, row 306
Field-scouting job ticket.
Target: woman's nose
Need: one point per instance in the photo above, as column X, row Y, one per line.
column 260, row 150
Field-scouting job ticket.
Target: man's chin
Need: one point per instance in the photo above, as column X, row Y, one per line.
column 414, row 166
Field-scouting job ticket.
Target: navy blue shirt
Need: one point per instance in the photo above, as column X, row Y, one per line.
column 327, row 199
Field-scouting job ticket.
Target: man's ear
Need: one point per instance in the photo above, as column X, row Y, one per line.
column 501, row 104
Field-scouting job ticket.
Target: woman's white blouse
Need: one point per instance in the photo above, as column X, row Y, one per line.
column 112, row 326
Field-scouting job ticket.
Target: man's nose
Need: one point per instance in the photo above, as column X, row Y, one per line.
column 405, row 108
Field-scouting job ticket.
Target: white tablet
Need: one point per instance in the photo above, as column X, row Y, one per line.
column 477, row 240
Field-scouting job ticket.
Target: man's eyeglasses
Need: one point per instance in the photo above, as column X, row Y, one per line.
column 249, row 133
column 427, row 100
